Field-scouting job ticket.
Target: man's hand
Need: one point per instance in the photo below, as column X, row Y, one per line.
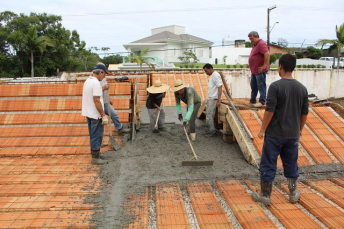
column 185, row 123
column 180, row 117
column 218, row 103
column 261, row 134
column 261, row 69
column 105, row 120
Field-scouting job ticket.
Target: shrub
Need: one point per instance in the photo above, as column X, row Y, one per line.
column 181, row 66
column 319, row 66
column 197, row 66
column 186, row 65
column 298, row 66
column 192, row 65
column 241, row 66
column 215, row 60
column 228, row 66
column 245, row 65
column 304, row 66
column 323, row 66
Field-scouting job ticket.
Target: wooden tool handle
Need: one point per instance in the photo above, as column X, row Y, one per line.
column 193, row 151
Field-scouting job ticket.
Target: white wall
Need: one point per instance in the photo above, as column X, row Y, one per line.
column 307, row 61
column 234, row 55
column 324, row 83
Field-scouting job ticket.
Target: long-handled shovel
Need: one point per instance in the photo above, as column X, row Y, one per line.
column 156, row 122
column 112, row 140
column 196, row 161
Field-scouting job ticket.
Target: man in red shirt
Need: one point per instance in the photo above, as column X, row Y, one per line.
column 259, row 64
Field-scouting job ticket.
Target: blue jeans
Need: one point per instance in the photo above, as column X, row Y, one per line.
column 258, row 83
column 96, row 131
column 289, row 152
column 114, row 116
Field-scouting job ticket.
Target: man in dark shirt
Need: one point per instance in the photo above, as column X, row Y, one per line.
column 284, row 118
column 154, row 105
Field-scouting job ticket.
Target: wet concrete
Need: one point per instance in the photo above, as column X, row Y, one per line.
column 156, row 158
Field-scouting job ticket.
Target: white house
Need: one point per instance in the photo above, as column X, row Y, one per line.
column 166, row 44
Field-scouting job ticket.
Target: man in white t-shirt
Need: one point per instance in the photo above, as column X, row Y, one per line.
column 214, row 97
column 92, row 108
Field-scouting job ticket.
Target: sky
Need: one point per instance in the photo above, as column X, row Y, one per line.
column 112, row 23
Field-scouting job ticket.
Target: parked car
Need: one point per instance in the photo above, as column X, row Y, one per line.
column 329, row 58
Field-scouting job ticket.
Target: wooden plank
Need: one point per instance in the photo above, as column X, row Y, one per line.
column 245, row 143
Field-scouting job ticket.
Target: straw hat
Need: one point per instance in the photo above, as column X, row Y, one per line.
column 158, row 87
column 178, row 84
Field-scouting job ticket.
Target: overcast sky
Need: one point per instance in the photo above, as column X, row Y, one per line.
column 112, row 23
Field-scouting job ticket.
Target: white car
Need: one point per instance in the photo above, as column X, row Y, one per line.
column 329, row 58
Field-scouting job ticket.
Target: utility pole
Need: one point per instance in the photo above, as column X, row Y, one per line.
column 268, row 29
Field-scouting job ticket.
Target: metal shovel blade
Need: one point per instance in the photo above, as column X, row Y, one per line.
column 197, row 163
column 114, row 143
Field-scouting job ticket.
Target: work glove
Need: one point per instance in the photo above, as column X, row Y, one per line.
column 105, row 120
column 185, row 123
column 180, row 117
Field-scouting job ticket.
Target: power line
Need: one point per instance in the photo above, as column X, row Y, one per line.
column 200, row 9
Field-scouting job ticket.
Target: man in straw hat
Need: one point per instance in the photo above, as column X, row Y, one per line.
column 154, row 104
column 189, row 96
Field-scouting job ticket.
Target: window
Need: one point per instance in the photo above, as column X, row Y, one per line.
column 210, row 53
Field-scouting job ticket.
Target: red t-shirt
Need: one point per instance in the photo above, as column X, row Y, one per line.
column 256, row 58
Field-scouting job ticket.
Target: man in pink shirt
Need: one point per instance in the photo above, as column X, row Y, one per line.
column 259, row 64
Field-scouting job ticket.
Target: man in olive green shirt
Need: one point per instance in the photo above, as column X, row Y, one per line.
column 190, row 97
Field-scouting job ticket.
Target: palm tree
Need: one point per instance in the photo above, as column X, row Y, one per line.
column 141, row 59
column 336, row 44
column 34, row 42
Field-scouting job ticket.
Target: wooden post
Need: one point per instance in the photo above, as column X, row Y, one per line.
column 225, row 84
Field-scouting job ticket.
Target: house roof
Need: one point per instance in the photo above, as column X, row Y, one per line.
column 168, row 36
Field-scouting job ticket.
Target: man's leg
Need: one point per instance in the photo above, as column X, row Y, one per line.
column 96, row 130
column 161, row 121
column 211, row 108
column 193, row 117
column 268, row 166
column 114, row 116
column 289, row 155
column 153, row 114
column 192, row 122
column 254, row 89
column 261, row 85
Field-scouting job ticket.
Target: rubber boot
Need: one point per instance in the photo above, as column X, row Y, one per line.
column 96, row 160
column 294, row 194
column 265, row 193
column 193, row 137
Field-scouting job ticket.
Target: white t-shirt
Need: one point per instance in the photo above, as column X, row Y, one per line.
column 92, row 88
column 214, row 83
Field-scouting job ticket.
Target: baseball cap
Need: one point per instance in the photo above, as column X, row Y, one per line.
column 102, row 67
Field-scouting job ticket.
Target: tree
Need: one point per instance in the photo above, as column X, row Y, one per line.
column 114, row 59
column 34, row 42
column 336, row 44
column 189, row 57
column 282, row 42
column 15, row 57
column 140, row 59
column 274, row 57
column 248, row 44
column 313, row 53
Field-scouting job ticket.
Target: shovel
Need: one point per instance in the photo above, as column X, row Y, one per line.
column 196, row 161
column 156, row 122
column 112, row 140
